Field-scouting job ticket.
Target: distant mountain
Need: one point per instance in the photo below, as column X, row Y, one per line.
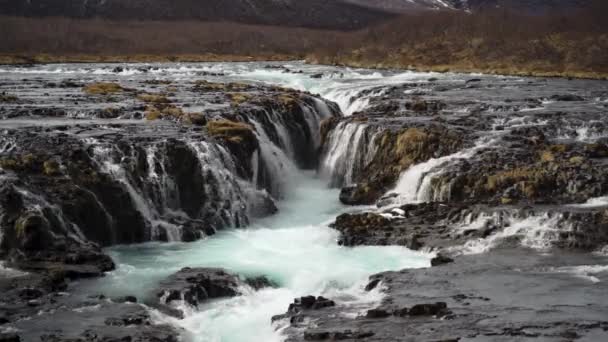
column 326, row 14
column 411, row 5
column 527, row 6
column 321, row 14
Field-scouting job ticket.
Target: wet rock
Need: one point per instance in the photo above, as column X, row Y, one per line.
column 357, row 229
column 567, row 97
column 260, row 282
column 441, row 259
column 10, row 337
column 358, row 195
column 310, row 303
column 377, row 313
column 196, row 285
column 372, row 284
column 436, row 309
column 126, row 299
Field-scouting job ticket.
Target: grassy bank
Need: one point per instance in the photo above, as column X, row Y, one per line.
column 20, row 59
column 495, row 42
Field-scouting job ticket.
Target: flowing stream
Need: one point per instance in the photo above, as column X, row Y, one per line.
column 294, row 248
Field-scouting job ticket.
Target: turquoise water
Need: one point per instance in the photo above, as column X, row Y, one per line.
column 294, row 248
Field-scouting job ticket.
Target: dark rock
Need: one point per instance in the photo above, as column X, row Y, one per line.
column 441, row 259
column 260, row 282
column 126, row 299
column 10, row 337
column 372, row 284
column 437, row 309
column 377, row 313
column 196, row 285
column 567, row 97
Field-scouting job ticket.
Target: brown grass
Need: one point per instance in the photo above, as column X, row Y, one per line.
column 501, row 42
column 102, row 88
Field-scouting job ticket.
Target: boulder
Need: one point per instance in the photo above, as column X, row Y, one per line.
column 441, row 259
column 435, row 309
column 196, row 285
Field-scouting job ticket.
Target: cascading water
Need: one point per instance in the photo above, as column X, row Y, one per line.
column 350, row 146
column 294, row 248
column 414, row 184
column 536, row 231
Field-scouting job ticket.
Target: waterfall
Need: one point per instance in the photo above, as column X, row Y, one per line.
column 535, row 231
column 415, row 183
column 350, row 147
column 280, row 168
column 221, row 183
column 39, row 204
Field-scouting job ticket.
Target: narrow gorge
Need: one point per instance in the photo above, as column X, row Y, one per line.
column 275, row 201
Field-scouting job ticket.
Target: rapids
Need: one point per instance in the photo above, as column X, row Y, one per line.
column 294, row 248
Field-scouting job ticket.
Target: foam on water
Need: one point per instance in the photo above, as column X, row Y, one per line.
column 414, row 184
column 535, row 231
column 587, row 272
column 295, row 248
column 596, row 202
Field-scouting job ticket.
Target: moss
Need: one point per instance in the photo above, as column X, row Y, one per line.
column 8, row 98
column 9, row 164
column 28, row 161
column 533, row 177
column 506, row 200
column 239, row 98
column 153, row 98
column 51, row 168
column 215, row 87
column 577, row 160
column 103, row 88
column 228, row 128
column 287, row 100
column 152, row 113
column 411, row 145
column 547, row 157
column 173, row 111
column 198, row 119
column 560, row 148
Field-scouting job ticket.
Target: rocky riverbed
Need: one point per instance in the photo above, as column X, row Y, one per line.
column 183, row 184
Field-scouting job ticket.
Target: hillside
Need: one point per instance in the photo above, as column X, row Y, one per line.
column 320, row 14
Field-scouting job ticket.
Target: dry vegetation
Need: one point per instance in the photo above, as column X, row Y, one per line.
column 498, row 41
column 573, row 44
column 102, row 88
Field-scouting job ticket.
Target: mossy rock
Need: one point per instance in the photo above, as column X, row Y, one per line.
column 197, row 119
column 103, row 88
column 216, row 87
column 51, row 168
column 5, row 98
column 239, row 98
column 233, row 131
column 153, row 98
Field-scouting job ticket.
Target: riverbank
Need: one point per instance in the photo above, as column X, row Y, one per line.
column 497, row 69
column 216, row 193
column 388, row 64
column 29, row 59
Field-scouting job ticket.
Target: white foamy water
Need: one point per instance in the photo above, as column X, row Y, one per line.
column 414, row 184
column 596, row 202
column 294, row 248
column 536, row 232
column 587, row 272
column 351, row 89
